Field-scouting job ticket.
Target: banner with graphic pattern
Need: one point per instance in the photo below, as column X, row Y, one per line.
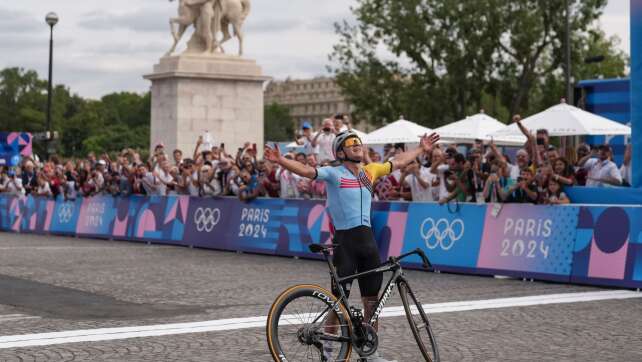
column 593, row 245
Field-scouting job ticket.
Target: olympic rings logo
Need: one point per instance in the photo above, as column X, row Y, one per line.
column 441, row 233
column 65, row 212
column 206, row 219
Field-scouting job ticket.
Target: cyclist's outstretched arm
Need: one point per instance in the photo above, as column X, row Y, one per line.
column 273, row 155
column 425, row 145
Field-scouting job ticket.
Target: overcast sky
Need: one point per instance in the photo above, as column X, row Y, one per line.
column 106, row 46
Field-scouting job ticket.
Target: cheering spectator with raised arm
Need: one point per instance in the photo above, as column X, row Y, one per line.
column 531, row 145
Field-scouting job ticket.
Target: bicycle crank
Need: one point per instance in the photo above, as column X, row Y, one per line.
column 367, row 342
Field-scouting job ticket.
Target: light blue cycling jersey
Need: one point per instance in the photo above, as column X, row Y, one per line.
column 350, row 196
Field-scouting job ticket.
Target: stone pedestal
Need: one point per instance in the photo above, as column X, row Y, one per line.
column 222, row 94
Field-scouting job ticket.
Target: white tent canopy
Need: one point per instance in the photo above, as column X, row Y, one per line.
column 566, row 120
column 361, row 135
column 479, row 126
column 401, row 131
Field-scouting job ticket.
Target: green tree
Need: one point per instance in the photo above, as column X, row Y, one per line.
column 435, row 61
column 278, row 123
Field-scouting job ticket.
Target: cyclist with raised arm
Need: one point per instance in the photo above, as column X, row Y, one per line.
column 349, row 190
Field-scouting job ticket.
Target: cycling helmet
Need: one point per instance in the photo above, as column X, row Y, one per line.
column 337, row 144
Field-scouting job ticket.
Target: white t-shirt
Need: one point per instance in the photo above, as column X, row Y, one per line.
column 164, row 178
column 193, row 189
column 600, row 169
column 44, row 189
column 419, row 193
column 324, row 146
column 307, row 146
column 441, row 170
column 13, row 186
column 289, row 183
column 513, row 171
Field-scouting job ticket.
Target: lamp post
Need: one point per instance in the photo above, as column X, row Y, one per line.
column 52, row 20
column 567, row 46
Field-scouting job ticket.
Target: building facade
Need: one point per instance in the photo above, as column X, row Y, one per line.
column 310, row 100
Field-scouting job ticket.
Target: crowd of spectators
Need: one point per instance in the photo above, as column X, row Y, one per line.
column 479, row 173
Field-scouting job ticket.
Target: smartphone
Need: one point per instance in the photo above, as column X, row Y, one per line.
column 222, row 146
column 540, row 141
column 254, row 147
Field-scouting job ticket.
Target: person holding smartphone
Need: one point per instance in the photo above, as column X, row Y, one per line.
column 13, row 185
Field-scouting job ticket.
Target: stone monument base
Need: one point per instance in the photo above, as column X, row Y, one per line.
column 191, row 94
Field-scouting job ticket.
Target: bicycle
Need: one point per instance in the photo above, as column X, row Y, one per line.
column 296, row 324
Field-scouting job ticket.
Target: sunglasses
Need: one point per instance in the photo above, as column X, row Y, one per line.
column 350, row 142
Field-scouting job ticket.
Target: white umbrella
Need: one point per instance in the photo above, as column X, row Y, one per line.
column 479, row 126
column 566, row 120
column 401, row 131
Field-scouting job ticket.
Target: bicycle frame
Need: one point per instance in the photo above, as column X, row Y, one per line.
column 391, row 265
column 397, row 274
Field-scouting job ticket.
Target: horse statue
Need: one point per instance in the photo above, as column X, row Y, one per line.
column 234, row 12
column 209, row 18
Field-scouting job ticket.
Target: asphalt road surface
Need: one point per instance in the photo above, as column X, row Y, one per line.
column 67, row 299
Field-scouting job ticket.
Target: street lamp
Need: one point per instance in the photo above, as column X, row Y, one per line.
column 52, row 20
column 567, row 46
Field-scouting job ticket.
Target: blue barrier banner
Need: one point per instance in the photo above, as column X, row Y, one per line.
column 449, row 239
column 604, row 195
column 65, row 217
column 525, row 239
column 591, row 244
column 636, row 90
column 608, row 247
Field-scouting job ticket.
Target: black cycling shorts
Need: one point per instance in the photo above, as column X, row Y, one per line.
column 357, row 252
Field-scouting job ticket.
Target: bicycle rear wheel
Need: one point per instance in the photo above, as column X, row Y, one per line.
column 297, row 327
column 419, row 323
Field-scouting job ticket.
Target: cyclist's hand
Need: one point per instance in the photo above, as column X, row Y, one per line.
column 272, row 154
column 427, row 142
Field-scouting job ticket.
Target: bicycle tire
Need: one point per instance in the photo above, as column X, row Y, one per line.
column 280, row 325
column 428, row 348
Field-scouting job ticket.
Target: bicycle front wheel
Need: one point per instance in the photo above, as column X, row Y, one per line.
column 419, row 323
column 306, row 320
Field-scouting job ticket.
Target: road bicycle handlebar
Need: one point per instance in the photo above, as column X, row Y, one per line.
column 426, row 263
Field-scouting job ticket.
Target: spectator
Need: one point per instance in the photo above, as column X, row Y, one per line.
column 525, row 190
column 423, row 184
column 626, row 168
column 307, row 139
column 554, row 194
column 601, row 170
column 208, row 184
column 581, row 174
column 341, row 123
column 563, row 172
column 459, row 183
column 167, row 183
column 288, row 182
column 178, row 157
column 495, row 186
column 267, row 178
column 149, row 181
column 323, row 141
column 249, row 189
column 13, row 184
column 29, row 179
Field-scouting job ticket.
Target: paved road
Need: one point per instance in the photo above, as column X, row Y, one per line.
column 53, row 284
